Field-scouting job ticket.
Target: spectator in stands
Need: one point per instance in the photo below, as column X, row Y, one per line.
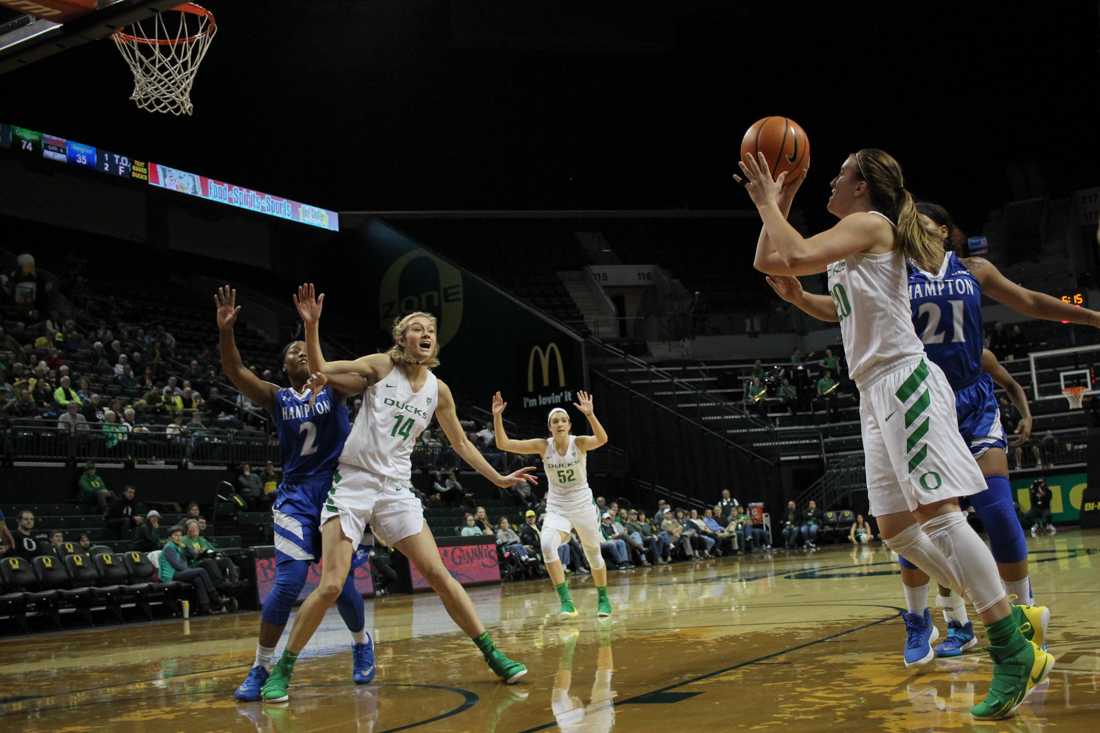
column 529, row 536
column 792, row 525
column 65, row 394
column 509, row 541
column 448, row 488
column 270, row 479
column 708, row 538
column 85, row 543
column 202, row 553
column 758, row 372
column 483, row 521
column 28, row 543
column 250, row 485
column 8, row 342
column 1039, row 516
column 92, row 409
column 43, row 395
column 811, row 522
column 613, row 548
column 718, row 530
column 727, row 505
column 860, row 533
column 172, row 402
column 176, row 430
column 788, row 395
column 148, row 536
column 381, row 566
column 193, row 511
column 735, row 532
column 826, row 394
column 601, row 504
column 671, row 526
column 114, row 432
column 471, row 529
column 655, row 548
column 123, row 517
column 191, row 401
column 57, row 538
column 22, row 407
column 93, row 489
column 633, row 539
column 173, row 566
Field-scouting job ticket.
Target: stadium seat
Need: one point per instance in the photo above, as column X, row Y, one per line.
column 19, row 577
column 70, row 548
column 114, row 581
column 145, row 579
column 83, row 574
column 13, row 607
column 52, row 575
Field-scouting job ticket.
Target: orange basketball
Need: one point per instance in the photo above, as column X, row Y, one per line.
column 782, row 141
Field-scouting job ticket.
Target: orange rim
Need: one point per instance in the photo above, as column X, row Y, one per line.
column 190, row 8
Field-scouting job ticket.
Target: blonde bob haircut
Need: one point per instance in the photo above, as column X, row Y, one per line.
column 397, row 352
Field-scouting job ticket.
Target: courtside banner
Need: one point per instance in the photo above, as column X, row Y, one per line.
column 470, row 564
column 265, row 576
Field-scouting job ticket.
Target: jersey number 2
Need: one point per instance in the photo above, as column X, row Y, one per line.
column 932, row 334
column 309, row 447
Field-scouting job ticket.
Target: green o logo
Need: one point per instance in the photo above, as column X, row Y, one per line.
column 926, row 479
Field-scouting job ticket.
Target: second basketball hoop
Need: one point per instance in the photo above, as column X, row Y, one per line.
column 164, row 53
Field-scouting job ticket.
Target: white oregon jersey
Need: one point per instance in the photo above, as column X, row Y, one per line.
column 388, row 424
column 871, row 295
column 567, row 475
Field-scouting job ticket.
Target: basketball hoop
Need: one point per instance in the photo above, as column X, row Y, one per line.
column 164, row 53
column 1075, row 396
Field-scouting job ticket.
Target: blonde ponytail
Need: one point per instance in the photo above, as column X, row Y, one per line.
column 888, row 195
column 914, row 241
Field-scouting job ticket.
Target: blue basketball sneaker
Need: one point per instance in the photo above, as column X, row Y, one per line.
column 249, row 691
column 920, row 632
column 363, row 656
column 960, row 637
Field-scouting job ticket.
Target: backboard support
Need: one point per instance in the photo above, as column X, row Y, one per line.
column 28, row 38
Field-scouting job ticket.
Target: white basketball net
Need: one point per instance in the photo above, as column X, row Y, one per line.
column 164, row 53
column 1075, row 396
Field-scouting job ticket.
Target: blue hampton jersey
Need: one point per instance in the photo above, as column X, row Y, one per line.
column 311, row 437
column 947, row 313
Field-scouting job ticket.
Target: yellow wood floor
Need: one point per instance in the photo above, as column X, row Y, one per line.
column 791, row 642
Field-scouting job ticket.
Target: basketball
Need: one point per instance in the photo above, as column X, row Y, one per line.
column 782, row 141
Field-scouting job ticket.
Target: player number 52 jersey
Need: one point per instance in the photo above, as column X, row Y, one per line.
column 391, row 419
column 566, row 474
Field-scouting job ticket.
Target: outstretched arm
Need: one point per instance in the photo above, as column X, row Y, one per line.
column 1028, row 302
column 1015, row 391
column 448, row 421
column 599, row 436
column 247, row 383
column 533, row 446
column 369, row 369
column 790, row 289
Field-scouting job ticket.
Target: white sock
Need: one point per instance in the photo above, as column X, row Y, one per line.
column 1021, row 589
column 970, row 558
column 915, row 546
column 264, row 657
column 360, row 636
column 916, row 598
column 954, row 608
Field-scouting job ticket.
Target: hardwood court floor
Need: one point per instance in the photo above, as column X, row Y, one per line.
column 781, row 643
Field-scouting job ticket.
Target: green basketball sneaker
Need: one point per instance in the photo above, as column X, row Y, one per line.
column 603, row 606
column 568, row 610
column 278, row 682
column 1014, row 677
column 507, row 669
column 1032, row 622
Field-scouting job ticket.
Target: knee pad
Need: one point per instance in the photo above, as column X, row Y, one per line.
column 550, row 540
column 998, row 514
column 290, row 576
column 350, row 605
column 969, row 559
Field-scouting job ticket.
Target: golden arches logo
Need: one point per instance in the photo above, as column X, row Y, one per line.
column 544, row 362
column 443, row 299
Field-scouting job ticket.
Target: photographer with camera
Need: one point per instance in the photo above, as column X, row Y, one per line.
column 1040, row 507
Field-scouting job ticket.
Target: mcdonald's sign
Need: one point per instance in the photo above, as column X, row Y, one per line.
column 544, row 362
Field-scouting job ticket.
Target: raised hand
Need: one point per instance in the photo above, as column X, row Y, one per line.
column 308, row 303
column 498, row 404
column 225, row 299
column 761, row 187
column 516, row 478
column 786, row 287
column 584, row 403
column 315, row 384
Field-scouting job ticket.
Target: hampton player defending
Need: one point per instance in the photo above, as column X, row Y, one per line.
column 569, row 501
column 312, row 429
column 916, row 462
column 372, row 484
